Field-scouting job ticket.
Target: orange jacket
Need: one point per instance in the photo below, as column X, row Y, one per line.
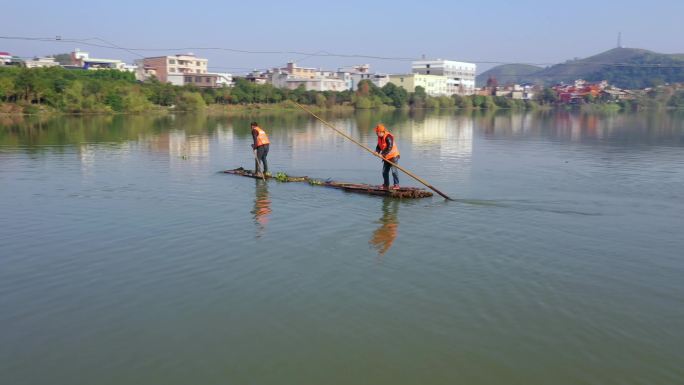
column 382, row 145
column 261, row 138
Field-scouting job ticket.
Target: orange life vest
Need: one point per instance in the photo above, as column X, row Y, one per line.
column 382, row 144
column 262, row 138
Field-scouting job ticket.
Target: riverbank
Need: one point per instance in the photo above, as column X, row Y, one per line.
column 44, row 91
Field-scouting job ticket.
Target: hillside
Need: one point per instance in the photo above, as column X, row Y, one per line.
column 624, row 67
column 507, row 73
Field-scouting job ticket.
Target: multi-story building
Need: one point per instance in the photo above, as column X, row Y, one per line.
column 300, row 72
column 172, row 68
column 317, row 83
column 292, row 76
column 197, row 80
column 434, row 85
column 460, row 75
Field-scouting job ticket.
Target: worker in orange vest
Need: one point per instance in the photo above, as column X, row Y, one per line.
column 261, row 144
column 387, row 147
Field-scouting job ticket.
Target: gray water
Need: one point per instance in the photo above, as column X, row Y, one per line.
column 126, row 258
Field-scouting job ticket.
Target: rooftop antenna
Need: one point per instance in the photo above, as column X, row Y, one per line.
column 619, row 45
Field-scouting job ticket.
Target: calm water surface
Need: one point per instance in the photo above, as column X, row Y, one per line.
column 125, row 258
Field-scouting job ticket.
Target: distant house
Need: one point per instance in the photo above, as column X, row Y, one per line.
column 39, row 62
column 316, row 83
column 616, row 94
column 292, row 77
column 180, row 69
column 143, row 72
column 82, row 59
column 223, row 79
column 258, row 77
column 460, row 75
column 5, row 58
column 579, row 91
column 434, row 85
column 355, row 74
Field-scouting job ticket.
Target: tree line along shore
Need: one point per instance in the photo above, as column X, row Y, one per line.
column 59, row 90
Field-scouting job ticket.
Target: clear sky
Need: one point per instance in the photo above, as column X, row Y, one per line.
column 527, row 31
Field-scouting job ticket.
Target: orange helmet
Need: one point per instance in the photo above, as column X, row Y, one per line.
column 380, row 128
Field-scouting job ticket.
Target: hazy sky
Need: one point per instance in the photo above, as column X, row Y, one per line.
column 492, row 31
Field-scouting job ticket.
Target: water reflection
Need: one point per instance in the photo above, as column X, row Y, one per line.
column 643, row 128
column 451, row 133
column 384, row 236
column 262, row 207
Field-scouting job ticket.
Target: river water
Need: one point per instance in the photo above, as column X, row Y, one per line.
column 126, row 258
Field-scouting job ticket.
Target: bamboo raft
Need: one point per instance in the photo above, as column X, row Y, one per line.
column 361, row 188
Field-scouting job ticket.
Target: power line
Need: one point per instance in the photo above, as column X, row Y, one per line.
column 307, row 55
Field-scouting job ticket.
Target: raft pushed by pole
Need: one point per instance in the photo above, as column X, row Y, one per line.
column 360, row 188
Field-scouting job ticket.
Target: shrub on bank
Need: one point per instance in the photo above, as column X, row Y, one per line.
column 190, row 101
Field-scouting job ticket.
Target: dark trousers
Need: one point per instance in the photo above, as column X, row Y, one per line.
column 386, row 169
column 261, row 153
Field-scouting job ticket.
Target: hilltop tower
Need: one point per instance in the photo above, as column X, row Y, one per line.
column 619, row 42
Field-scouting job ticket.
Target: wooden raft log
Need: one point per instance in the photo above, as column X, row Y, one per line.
column 279, row 176
column 403, row 192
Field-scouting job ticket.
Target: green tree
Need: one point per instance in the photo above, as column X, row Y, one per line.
column 72, row 97
column 418, row 97
column 190, row 101
column 321, row 100
column 363, row 102
column 547, row 96
column 398, row 95
column 432, row 103
column 6, row 88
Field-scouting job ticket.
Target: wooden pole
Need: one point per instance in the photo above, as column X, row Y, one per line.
column 407, row 172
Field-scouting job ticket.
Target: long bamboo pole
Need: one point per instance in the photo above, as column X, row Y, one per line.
column 407, row 172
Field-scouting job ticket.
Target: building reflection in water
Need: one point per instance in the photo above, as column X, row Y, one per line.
column 567, row 126
column 451, row 137
column 384, row 236
column 262, row 207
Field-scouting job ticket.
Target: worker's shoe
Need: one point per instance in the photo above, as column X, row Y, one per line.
column 396, row 187
column 384, row 187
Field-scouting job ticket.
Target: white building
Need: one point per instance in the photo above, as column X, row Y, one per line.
column 41, row 62
column 362, row 72
column 460, row 75
column 292, row 77
column 5, row 58
column 316, row 83
column 83, row 60
column 223, row 79
column 378, row 79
